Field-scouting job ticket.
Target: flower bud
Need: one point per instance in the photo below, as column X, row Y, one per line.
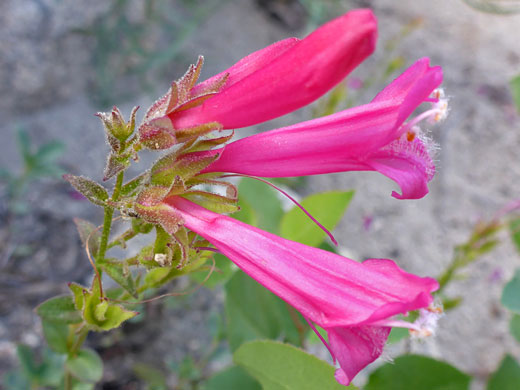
column 117, row 129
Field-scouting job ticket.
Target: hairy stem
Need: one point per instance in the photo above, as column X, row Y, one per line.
column 107, row 220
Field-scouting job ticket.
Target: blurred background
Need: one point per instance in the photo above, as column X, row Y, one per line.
column 61, row 61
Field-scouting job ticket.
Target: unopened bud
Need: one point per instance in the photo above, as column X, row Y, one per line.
column 116, row 126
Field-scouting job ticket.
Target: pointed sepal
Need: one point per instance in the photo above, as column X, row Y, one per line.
column 91, row 190
column 114, row 165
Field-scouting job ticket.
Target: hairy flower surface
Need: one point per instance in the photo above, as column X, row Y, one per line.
column 352, row 301
column 286, row 75
column 371, row 137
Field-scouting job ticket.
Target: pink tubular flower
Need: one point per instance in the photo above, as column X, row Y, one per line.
column 353, row 302
column 286, row 75
column 371, row 137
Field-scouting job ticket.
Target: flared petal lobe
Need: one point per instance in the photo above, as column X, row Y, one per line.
column 364, row 138
column 287, row 75
column 339, row 294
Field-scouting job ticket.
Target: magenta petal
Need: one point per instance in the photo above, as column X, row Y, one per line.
column 408, row 163
column 329, row 289
column 350, row 300
column 355, row 348
column 412, row 87
column 364, row 138
column 292, row 79
column 250, row 64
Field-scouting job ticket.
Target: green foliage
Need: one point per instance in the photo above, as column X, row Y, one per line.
column 97, row 312
column 507, row 376
column 264, row 202
column 514, row 226
column 515, row 90
column 34, row 375
column 413, row 372
column 232, row 378
column 59, row 309
column 397, row 334
column 280, row 366
column 511, row 293
column 499, row 7
column 86, row 366
column 328, row 209
column 91, row 190
column 153, row 377
column 255, row 313
column 482, row 240
column 56, row 335
column 120, row 273
column 88, row 232
column 514, row 326
column 38, row 162
column 224, row 270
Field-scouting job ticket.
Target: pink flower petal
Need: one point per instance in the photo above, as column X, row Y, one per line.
column 261, row 90
column 355, row 348
column 363, row 138
column 350, row 300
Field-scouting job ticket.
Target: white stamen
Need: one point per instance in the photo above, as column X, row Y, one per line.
column 437, row 113
column 422, row 327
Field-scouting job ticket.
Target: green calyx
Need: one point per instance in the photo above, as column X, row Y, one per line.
column 117, row 129
column 157, row 132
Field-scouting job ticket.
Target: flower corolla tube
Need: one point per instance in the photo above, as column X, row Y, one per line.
column 371, row 137
column 353, row 302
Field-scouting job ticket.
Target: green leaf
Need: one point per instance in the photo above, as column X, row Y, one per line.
column 514, row 229
column 80, row 293
column 312, row 337
column 511, row 293
column 24, row 146
column 48, row 373
column 49, row 152
column 514, row 327
column 246, row 213
column 51, row 369
column 16, row 380
column 59, row 309
column 91, row 190
column 26, row 359
column 507, row 377
column 515, row 90
column 86, row 365
column 397, row 334
column 76, row 385
column 56, row 335
column 88, row 231
column 264, row 201
column 152, row 376
column 224, row 270
column 328, row 209
column 280, row 366
column 232, row 378
column 103, row 316
column 413, row 372
column 451, row 303
column 253, row 312
column 121, row 276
